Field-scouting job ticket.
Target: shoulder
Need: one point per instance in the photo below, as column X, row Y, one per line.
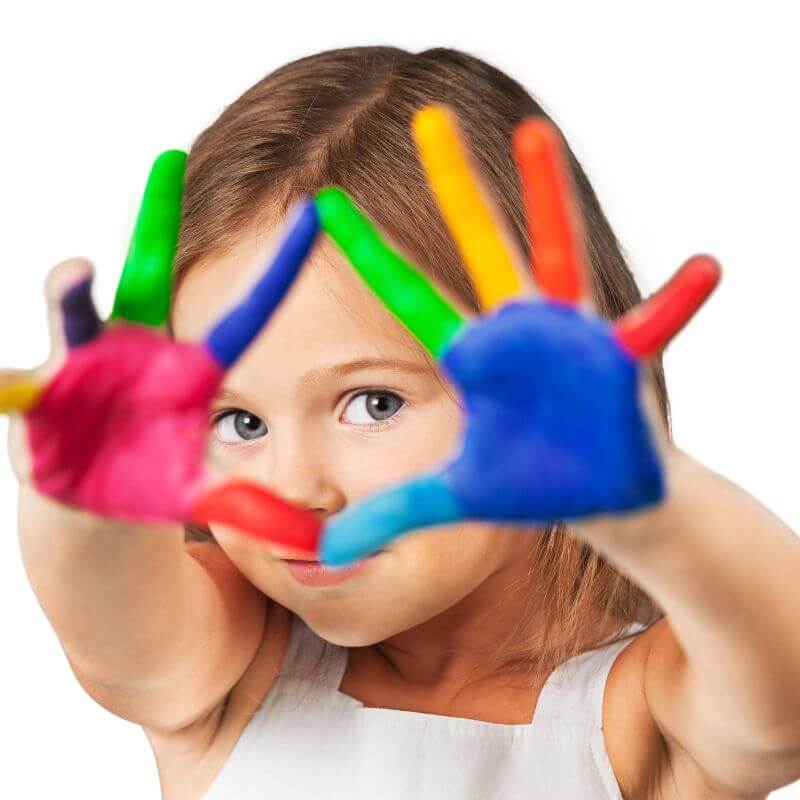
column 633, row 742
column 642, row 762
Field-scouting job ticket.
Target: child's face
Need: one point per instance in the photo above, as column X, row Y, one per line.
column 337, row 401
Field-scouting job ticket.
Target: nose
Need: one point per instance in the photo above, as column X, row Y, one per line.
column 301, row 472
column 296, row 468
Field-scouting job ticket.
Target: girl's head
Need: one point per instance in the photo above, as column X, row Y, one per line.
column 335, row 400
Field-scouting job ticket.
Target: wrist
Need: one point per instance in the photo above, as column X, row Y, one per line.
column 646, row 526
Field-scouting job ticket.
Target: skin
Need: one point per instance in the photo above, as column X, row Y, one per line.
column 422, row 604
column 186, row 639
column 687, row 711
column 422, row 617
column 704, row 704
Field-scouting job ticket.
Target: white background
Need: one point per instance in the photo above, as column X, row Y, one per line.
column 686, row 120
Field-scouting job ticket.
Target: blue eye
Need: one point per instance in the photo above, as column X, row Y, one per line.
column 368, row 408
column 236, row 423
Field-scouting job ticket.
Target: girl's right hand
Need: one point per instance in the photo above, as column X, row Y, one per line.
column 115, row 422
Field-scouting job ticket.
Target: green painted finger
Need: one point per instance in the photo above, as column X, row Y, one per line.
column 145, row 287
column 402, row 288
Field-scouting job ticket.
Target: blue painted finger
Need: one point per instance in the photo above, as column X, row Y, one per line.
column 81, row 322
column 372, row 523
column 237, row 329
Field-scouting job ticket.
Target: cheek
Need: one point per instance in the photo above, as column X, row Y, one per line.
column 443, row 565
column 427, row 438
column 425, row 574
column 241, row 550
column 472, row 544
column 453, row 560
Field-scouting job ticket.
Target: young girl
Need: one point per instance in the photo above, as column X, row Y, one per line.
column 640, row 655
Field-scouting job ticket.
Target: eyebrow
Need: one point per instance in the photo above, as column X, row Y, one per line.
column 322, row 374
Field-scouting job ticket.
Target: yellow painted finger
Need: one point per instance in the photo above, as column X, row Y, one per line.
column 467, row 211
column 18, row 392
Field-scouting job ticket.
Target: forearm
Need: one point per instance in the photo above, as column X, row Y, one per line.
column 111, row 590
column 726, row 571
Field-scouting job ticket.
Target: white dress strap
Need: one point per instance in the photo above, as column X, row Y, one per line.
column 573, row 692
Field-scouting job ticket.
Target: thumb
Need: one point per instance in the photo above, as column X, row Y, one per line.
column 377, row 520
column 257, row 512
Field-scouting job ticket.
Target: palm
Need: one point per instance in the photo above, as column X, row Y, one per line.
column 554, row 429
column 120, row 429
column 548, row 396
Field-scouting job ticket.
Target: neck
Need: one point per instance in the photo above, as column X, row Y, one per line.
column 458, row 645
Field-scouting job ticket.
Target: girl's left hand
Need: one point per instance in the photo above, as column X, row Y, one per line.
column 556, row 426
column 115, row 424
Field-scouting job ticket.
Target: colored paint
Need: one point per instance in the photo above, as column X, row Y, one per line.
column 554, row 429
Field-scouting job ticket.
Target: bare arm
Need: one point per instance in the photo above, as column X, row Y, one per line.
column 155, row 632
column 723, row 677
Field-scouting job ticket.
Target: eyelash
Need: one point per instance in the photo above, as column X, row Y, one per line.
column 382, row 424
column 217, row 417
column 375, row 426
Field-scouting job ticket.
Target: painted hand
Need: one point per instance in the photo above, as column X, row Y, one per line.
column 554, row 426
column 117, row 422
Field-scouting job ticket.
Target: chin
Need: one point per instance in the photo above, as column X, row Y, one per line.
column 345, row 630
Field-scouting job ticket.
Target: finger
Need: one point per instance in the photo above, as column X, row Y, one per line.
column 470, row 215
column 555, row 229
column 650, row 326
column 19, row 391
column 66, row 302
column 236, row 330
column 402, row 288
column 376, row 521
column 143, row 293
column 81, row 321
column 71, row 316
column 256, row 512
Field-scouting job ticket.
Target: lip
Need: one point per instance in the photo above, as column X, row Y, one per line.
column 314, row 573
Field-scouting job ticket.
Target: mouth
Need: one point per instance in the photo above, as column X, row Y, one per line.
column 310, row 572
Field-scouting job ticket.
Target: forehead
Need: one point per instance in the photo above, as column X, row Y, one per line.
column 328, row 304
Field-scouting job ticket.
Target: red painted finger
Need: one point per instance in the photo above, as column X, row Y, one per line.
column 555, row 228
column 259, row 513
column 650, row 326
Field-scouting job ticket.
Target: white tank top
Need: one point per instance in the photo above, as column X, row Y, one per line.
column 309, row 740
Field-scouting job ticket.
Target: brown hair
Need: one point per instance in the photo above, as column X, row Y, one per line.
column 342, row 118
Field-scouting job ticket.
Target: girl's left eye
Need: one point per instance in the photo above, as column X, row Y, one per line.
column 371, row 408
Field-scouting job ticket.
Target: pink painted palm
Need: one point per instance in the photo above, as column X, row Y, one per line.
column 116, row 423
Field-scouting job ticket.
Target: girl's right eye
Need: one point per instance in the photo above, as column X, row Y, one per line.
column 237, row 423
